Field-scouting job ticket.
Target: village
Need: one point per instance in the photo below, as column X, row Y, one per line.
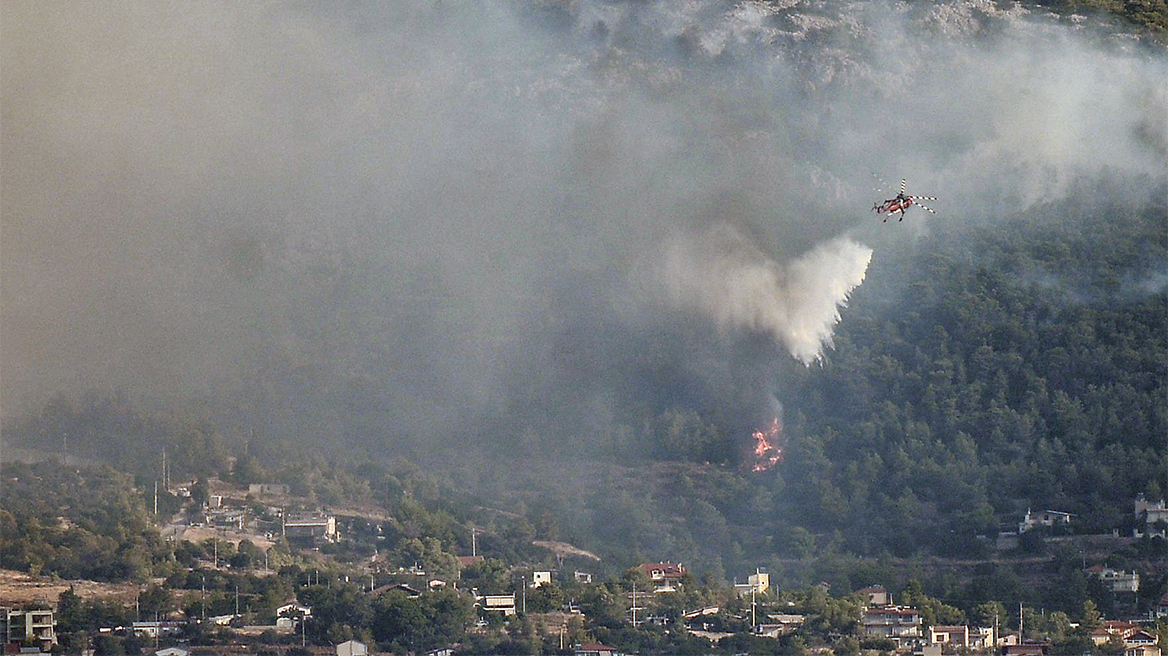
column 262, row 533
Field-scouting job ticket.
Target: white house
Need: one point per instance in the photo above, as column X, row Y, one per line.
column 273, row 489
column 498, row 603
column 290, row 614
column 1116, row 580
column 1151, row 511
column 352, row 648
column 155, row 629
column 1048, row 518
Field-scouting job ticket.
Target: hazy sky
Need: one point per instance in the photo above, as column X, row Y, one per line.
column 417, row 205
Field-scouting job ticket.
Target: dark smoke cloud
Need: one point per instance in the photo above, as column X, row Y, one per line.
column 428, row 211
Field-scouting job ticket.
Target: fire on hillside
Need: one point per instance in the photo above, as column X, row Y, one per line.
column 767, row 451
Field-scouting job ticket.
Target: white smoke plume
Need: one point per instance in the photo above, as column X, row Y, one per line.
column 723, row 274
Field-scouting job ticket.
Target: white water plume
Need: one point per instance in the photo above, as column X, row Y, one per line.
column 724, row 275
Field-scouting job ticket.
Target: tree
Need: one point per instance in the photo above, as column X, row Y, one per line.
column 155, row 601
column 200, row 493
column 1090, row 618
column 989, row 614
column 70, row 612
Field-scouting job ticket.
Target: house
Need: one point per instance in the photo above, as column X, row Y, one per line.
column 268, row 489
column 951, row 636
column 172, row 651
column 1116, row 629
column 779, row 625
column 311, row 527
column 411, row 592
column 1116, row 580
column 876, row 596
column 982, row 638
column 1120, row 628
column 582, row 577
column 293, row 609
column 227, row 518
column 540, row 578
column 290, row 614
column 352, row 648
column 1100, row 636
column 1047, row 518
column 32, row 627
column 665, row 577
column 498, row 603
column 1161, row 609
column 898, row 623
column 1141, row 643
column 594, row 649
column 155, row 629
column 756, row 584
column 1151, row 512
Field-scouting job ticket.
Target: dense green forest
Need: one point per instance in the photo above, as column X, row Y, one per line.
column 77, row 523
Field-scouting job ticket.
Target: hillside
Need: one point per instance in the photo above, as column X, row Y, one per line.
column 562, row 260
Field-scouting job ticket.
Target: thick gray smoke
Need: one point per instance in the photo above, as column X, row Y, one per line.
column 384, row 218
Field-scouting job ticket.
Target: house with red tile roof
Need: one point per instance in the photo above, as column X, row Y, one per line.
column 665, row 577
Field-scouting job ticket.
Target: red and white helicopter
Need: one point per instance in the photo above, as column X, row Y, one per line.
column 901, row 203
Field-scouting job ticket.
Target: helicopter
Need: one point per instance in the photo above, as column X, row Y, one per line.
column 901, row 203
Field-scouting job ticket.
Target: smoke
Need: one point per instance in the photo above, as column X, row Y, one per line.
column 723, row 274
column 378, row 223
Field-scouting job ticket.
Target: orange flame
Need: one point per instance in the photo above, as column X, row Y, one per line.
column 767, row 452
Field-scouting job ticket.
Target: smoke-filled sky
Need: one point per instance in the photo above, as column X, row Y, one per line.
column 428, row 210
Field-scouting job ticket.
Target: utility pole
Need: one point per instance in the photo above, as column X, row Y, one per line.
column 753, row 616
column 634, row 608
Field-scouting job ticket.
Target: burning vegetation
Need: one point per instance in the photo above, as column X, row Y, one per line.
column 767, row 450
